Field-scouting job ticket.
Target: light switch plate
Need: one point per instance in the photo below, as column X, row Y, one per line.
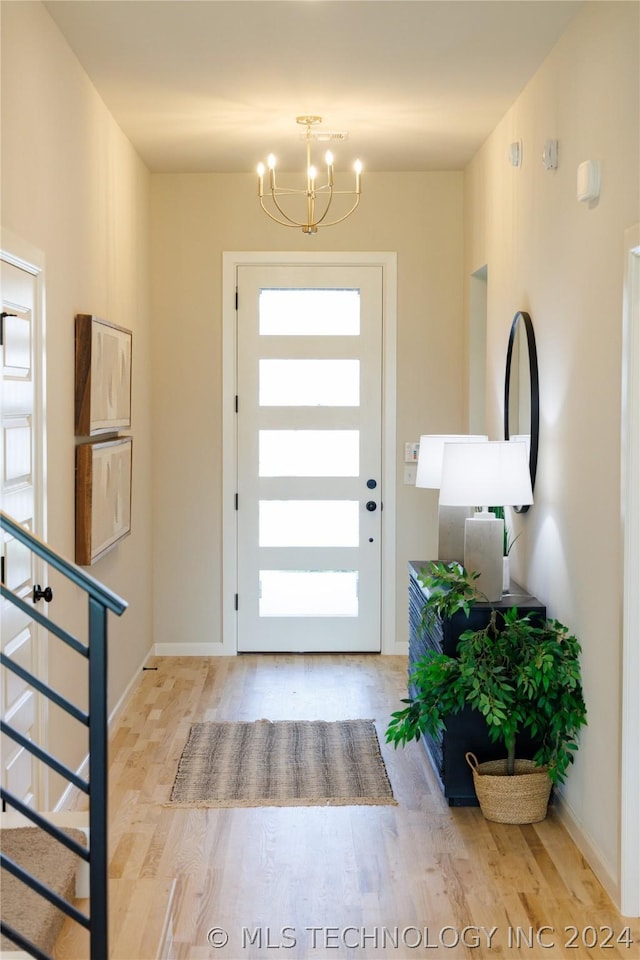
column 411, row 451
column 410, row 475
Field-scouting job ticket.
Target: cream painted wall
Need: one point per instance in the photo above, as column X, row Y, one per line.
column 194, row 219
column 73, row 187
column 562, row 261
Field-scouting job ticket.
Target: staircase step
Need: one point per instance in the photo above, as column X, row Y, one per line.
column 51, row 863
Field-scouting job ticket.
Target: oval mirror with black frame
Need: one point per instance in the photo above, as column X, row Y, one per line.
column 521, row 397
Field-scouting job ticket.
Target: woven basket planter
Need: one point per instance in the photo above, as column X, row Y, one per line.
column 522, row 797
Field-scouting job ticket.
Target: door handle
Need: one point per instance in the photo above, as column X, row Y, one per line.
column 371, row 505
column 38, row 594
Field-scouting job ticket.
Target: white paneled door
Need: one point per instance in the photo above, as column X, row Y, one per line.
column 309, row 458
column 19, row 703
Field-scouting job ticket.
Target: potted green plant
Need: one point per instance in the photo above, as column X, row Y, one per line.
column 520, row 673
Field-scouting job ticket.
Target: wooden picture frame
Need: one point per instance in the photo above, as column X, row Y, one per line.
column 103, row 376
column 103, row 497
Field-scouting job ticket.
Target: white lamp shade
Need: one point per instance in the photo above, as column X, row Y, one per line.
column 429, row 471
column 495, row 472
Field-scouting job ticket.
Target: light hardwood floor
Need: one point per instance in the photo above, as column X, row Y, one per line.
column 317, row 882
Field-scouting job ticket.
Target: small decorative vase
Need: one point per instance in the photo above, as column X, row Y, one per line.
column 506, row 579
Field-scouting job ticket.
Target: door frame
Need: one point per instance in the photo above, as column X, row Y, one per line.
column 630, row 524
column 231, row 261
column 23, row 255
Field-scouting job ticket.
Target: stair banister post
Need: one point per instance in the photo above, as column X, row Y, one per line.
column 98, row 782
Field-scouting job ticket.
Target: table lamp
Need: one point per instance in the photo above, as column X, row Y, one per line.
column 451, row 519
column 495, row 472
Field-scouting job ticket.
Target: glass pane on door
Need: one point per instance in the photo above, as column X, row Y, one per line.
column 308, row 593
column 309, row 313
column 309, row 453
column 309, row 383
column 309, row 523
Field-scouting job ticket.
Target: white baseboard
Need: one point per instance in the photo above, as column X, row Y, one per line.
column 135, row 680
column 192, row 650
column 220, row 650
column 603, row 870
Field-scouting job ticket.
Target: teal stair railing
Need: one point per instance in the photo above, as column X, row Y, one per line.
column 100, row 602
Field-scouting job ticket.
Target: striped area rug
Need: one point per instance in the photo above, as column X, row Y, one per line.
column 281, row 763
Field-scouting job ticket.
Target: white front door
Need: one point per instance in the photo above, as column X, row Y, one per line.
column 21, row 492
column 309, row 458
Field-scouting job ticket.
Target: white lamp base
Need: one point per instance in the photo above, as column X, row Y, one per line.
column 451, row 521
column 483, row 543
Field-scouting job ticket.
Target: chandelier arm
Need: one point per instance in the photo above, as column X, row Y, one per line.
column 289, row 219
column 300, row 191
column 332, row 223
column 346, row 193
column 326, row 209
column 289, row 222
column 283, row 223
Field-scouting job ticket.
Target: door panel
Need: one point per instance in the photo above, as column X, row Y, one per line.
column 309, row 439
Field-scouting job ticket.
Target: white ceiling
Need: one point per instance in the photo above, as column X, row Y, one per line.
column 214, row 85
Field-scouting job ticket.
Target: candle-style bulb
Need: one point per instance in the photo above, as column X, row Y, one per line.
column 358, row 169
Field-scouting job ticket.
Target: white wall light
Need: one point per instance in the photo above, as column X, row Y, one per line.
column 550, row 155
column 588, row 185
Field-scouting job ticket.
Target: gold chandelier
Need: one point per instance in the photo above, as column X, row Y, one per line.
column 323, row 193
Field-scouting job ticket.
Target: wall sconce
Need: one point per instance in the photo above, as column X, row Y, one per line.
column 495, row 472
column 550, row 155
column 515, row 153
column 588, row 185
column 450, row 518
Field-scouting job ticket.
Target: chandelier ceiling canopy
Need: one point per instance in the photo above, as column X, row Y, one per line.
column 306, row 207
